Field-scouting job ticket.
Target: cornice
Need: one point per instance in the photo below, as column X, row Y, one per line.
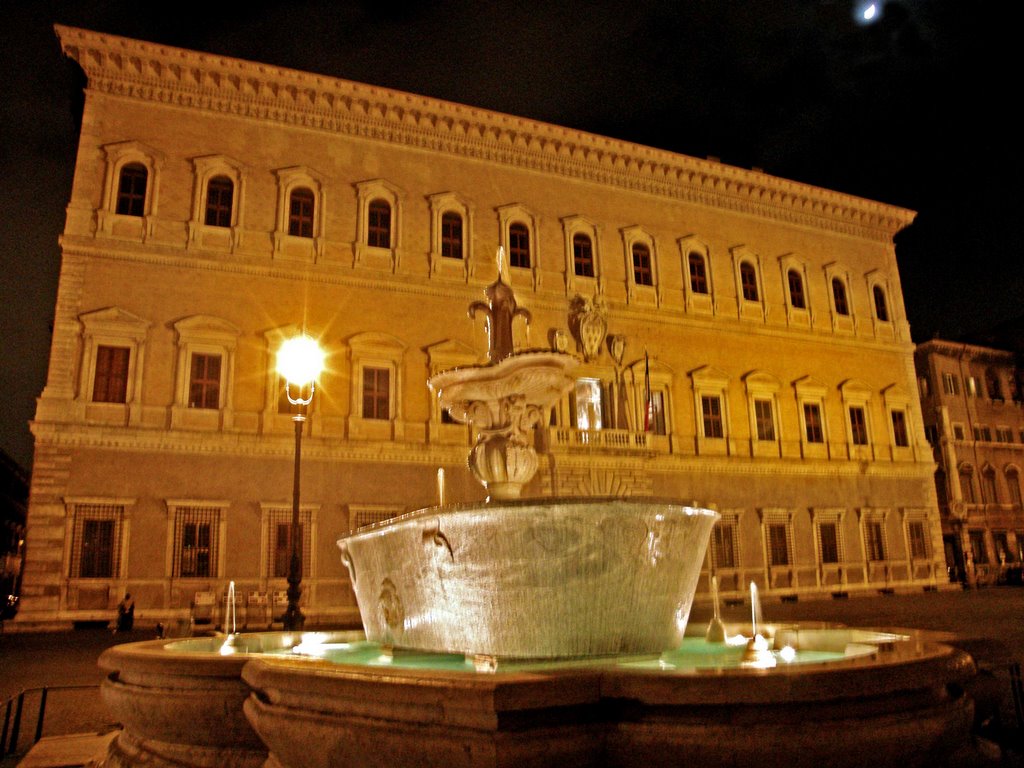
column 965, row 351
column 163, row 74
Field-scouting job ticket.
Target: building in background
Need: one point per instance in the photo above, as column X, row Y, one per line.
column 971, row 403
column 14, row 482
column 743, row 339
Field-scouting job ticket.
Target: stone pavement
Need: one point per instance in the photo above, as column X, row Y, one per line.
column 32, row 660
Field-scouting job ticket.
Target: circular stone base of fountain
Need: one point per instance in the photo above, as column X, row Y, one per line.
column 551, row 578
column 901, row 704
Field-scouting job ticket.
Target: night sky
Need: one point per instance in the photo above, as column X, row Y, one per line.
column 917, row 109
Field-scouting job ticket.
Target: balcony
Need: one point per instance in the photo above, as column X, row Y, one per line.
column 611, row 440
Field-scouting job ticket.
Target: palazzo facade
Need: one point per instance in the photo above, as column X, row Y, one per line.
column 971, row 397
column 221, row 206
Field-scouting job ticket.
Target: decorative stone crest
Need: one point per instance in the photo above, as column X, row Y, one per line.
column 588, row 321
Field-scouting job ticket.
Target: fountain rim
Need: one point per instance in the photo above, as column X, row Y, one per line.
column 469, row 507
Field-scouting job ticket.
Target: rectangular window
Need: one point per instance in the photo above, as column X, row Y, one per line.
column 828, row 542
column 778, row 544
column 451, row 236
column 917, row 533
column 642, row 274
column 518, row 246
column 765, row 422
column 950, row 384
column 988, row 487
column 931, row 434
column 978, row 550
column 698, row 274
column 110, row 385
column 858, row 426
column 812, row 423
column 971, row 386
column 582, row 256
column 376, row 393
column 1004, row 434
column 899, row 429
column 204, row 381
column 219, row 194
column 711, row 408
column 279, row 558
column 195, row 542
column 378, row 225
column 657, row 414
column 96, row 541
column 1001, row 545
column 723, row 545
column 958, row 431
column 874, row 540
column 589, row 404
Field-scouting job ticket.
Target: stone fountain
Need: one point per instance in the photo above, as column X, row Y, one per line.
column 537, row 632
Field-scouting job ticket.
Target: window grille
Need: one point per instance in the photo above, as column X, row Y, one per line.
column 96, row 541
column 363, row 517
column 917, row 532
column 196, row 539
column 279, row 542
column 874, row 540
column 724, row 544
column 830, row 543
column 780, row 544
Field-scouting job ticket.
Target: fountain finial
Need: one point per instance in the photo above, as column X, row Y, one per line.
column 501, row 309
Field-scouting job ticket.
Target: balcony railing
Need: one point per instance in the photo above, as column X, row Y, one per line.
column 600, row 439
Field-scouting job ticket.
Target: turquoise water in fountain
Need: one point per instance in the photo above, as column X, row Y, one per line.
column 694, row 654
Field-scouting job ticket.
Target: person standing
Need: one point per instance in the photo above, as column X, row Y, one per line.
column 125, row 614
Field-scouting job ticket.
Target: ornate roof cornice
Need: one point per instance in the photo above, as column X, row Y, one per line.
column 164, row 74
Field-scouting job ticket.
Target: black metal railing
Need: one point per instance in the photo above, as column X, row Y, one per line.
column 14, row 712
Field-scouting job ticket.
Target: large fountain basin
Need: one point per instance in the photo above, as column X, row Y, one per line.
column 561, row 578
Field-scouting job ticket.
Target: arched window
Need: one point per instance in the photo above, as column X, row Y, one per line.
column 518, row 245
column 131, row 190
column 582, row 255
column 642, row 274
column 698, row 273
column 1013, row 486
column 301, row 204
column 378, row 225
column 839, row 297
column 451, row 235
column 881, row 307
column 796, row 289
column 967, row 484
column 748, row 281
column 988, row 486
column 220, row 194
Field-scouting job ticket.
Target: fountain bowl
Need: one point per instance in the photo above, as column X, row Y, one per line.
column 557, row 578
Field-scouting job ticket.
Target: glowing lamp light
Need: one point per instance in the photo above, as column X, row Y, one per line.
column 300, row 360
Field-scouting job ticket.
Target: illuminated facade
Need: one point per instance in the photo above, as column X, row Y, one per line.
column 971, row 402
column 220, row 206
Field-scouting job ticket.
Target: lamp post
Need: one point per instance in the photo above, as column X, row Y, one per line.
column 299, row 361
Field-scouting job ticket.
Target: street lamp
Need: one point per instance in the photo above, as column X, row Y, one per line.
column 299, row 362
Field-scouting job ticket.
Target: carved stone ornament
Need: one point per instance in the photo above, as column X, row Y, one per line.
column 559, row 340
column 588, row 321
column 617, row 347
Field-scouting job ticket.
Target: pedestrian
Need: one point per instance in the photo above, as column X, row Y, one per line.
column 125, row 614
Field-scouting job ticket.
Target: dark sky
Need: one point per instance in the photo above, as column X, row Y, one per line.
column 917, row 109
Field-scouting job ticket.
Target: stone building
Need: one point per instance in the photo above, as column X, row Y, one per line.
column 743, row 338
column 971, row 403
